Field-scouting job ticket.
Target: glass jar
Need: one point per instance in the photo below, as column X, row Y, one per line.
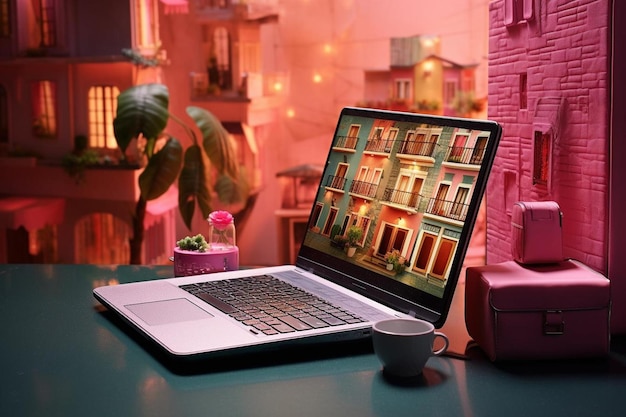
column 221, row 231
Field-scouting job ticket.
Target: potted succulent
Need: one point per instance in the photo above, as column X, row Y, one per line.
column 188, row 256
column 208, row 166
column 354, row 235
column 195, row 255
column 196, row 243
column 393, row 259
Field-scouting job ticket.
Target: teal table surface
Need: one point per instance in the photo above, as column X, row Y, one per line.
column 62, row 354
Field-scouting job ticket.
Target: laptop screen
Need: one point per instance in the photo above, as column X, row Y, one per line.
column 396, row 206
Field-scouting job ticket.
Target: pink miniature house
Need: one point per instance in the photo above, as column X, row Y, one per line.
column 552, row 85
column 63, row 63
column 420, row 79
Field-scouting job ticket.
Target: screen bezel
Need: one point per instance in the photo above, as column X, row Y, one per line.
column 398, row 295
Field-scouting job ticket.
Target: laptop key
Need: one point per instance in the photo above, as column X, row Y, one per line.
column 283, row 328
column 272, row 321
column 295, row 323
column 333, row 321
column 217, row 303
column 262, row 326
column 314, row 322
column 270, row 306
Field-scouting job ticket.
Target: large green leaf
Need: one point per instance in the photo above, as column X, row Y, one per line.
column 141, row 109
column 192, row 185
column 216, row 141
column 162, row 170
column 231, row 191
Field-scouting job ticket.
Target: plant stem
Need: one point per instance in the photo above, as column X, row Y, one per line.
column 136, row 241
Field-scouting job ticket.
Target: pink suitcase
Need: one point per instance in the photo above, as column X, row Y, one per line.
column 536, row 232
column 554, row 311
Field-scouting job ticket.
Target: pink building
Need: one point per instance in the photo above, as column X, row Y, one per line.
column 62, row 65
column 552, row 86
column 420, row 79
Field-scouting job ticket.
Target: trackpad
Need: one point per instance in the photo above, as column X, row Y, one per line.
column 168, row 311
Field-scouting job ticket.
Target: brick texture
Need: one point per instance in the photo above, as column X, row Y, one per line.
column 563, row 52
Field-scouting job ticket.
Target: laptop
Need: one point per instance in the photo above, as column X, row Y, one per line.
column 386, row 237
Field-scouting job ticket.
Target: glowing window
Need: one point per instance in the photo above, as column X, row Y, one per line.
column 43, row 23
column 5, row 19
column 147, row 37
column 102, row 102
column 541, row 161
column 4, row 116
column 43, row 101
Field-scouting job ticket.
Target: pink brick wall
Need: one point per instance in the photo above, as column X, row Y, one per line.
column 563, row 51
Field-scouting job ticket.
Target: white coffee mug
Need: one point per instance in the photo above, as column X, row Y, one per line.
column 403, row 346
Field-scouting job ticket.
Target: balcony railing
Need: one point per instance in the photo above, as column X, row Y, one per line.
column 253, row 85
column 248, row 9
column 449, row 209
column 335, row 182
column 346, row 142
column 379, row 145
column 402, row 198
column 461, row 155
column 418, row 148
column 363, row 188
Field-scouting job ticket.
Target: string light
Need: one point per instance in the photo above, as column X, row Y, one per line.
column 336, row 78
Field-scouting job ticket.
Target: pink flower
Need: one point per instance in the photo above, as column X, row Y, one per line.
column 220, row 219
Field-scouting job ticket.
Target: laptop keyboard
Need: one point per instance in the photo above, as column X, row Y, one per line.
column 269, row 305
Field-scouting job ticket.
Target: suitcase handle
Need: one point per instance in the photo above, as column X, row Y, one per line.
column 553, row 324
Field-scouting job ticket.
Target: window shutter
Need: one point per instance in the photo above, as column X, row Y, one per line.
column 529, row 9
column 509, row 12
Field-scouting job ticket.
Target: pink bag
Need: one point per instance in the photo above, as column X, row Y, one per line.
column 536, row 230
column 554, row 311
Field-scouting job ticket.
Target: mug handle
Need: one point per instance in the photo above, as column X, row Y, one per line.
column 446, row 342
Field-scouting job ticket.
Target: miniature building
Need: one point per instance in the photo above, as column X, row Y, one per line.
column 64, row 62
column 401, row 205
column 551, row 74
column 420, row 79
column 299, row 186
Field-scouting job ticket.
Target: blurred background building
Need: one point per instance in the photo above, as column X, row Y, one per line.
column 275, row 72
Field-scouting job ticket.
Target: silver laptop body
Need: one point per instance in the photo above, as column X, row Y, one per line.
column 412, row 183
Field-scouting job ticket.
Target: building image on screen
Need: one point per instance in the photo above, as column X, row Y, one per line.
column 394, row 197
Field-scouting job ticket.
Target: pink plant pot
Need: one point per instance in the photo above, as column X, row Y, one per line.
column 197, row 263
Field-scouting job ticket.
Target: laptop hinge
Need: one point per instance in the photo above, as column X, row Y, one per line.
column 412, row 313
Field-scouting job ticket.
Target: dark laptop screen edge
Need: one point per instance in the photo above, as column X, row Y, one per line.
column 397, row 295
